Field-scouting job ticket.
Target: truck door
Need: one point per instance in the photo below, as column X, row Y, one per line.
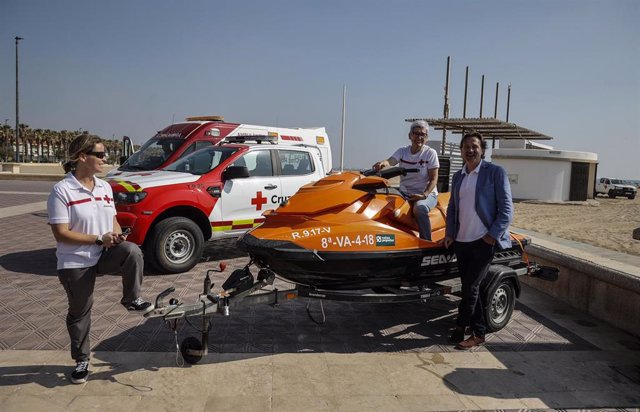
column 297, row 169
column 244, row 200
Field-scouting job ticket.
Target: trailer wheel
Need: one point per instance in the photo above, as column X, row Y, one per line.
column 191, row 350
column 502, row 299
column 175, row 245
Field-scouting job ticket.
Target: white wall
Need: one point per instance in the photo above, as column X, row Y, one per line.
column 540, row 174
column 536, row 179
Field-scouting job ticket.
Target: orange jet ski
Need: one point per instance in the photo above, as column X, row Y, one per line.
column 354, row 231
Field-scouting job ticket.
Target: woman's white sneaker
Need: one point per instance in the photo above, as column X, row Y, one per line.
column 140, row 306
column 80, row 373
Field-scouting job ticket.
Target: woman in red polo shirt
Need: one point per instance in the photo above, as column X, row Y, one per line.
column 90, row 242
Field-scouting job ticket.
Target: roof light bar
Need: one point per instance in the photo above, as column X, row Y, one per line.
column 252, row 138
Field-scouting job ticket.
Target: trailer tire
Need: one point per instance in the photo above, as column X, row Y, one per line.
column 500, row 304
column 175, row 245
column 188, row 346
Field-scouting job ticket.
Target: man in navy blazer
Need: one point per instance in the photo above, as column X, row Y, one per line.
column 478, row 217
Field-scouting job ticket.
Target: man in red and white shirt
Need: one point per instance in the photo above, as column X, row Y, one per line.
column 420, row 187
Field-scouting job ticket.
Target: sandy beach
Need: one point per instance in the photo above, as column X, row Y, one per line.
column 603, row 222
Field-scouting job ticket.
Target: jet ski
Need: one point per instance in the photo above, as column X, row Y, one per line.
column 352, row 231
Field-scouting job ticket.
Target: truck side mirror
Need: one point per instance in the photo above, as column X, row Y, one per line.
column 235, row 172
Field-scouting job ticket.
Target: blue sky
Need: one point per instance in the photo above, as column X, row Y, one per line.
column 129, row 67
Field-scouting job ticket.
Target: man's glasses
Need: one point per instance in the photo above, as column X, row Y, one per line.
column 99, row 155
column 419, row 134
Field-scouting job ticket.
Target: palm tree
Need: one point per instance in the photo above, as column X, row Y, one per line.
column 32, row 140
column 111, row 146
column 37, row 140
column 6, row 134
column 22, row 144
column 49, row 139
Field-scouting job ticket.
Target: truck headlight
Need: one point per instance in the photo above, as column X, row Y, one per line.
column 130, row 197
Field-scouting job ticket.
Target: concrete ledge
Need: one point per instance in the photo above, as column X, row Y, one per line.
column 38, row 171
column 30, row 176
column 591, row 279
column 588, row 268
column 11, row 167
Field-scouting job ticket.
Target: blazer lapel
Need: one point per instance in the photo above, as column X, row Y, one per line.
column 483, row 178
column 480, row 183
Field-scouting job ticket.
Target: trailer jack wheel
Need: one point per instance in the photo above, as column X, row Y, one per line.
column 191, row 350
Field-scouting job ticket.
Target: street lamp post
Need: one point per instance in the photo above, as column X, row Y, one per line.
column 17, row 106
column 7, row 140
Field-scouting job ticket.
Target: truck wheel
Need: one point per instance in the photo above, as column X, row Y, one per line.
column 175, row 244
column 611, row 194
column 631, row 197
column 502, row 299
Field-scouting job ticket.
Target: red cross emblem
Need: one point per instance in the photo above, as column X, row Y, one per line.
column 258, row 201
column 107, row 199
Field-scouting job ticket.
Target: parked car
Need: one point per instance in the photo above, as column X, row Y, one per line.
column 181, row 139
column 615, row 187
column 217, row 192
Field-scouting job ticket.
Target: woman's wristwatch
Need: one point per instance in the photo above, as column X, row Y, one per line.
column 99, row 241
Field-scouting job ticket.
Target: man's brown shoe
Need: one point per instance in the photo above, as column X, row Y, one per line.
column 470, row 343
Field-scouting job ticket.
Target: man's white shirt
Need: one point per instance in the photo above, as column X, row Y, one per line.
column 471, row 227
column 423, row 160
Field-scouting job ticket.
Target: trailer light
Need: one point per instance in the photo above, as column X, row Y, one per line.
column 130, row 197
column 320, row 139
column 214, row 191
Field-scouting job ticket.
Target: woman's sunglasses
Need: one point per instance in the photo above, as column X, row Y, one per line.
column 99, row 155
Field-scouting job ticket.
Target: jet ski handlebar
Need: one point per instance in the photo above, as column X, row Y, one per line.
column 390, row 172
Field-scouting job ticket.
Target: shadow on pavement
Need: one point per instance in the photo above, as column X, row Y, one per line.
column 51, row 376
column 349, row 328
column 557, row 380
column 42, row 262
column 38, row 262
column 48, row 376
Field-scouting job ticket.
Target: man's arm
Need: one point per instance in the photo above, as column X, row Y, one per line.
column 385, row 163
column 433, row 181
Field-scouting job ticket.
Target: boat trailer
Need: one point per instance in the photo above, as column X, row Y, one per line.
column 500, row 289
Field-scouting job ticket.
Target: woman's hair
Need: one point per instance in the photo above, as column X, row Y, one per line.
column 483, row 143
column 83, row 143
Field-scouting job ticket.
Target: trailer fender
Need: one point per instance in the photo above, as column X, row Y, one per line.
column 496, row 274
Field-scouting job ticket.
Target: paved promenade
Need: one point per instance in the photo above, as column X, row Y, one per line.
column 391, row 357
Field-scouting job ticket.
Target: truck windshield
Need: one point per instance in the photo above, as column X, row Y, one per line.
column 152, row 154
column 202, row 161
column 617, row 182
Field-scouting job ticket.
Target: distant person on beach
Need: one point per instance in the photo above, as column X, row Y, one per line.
column 90, row 241
column 478, row 217
column 419, row 188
